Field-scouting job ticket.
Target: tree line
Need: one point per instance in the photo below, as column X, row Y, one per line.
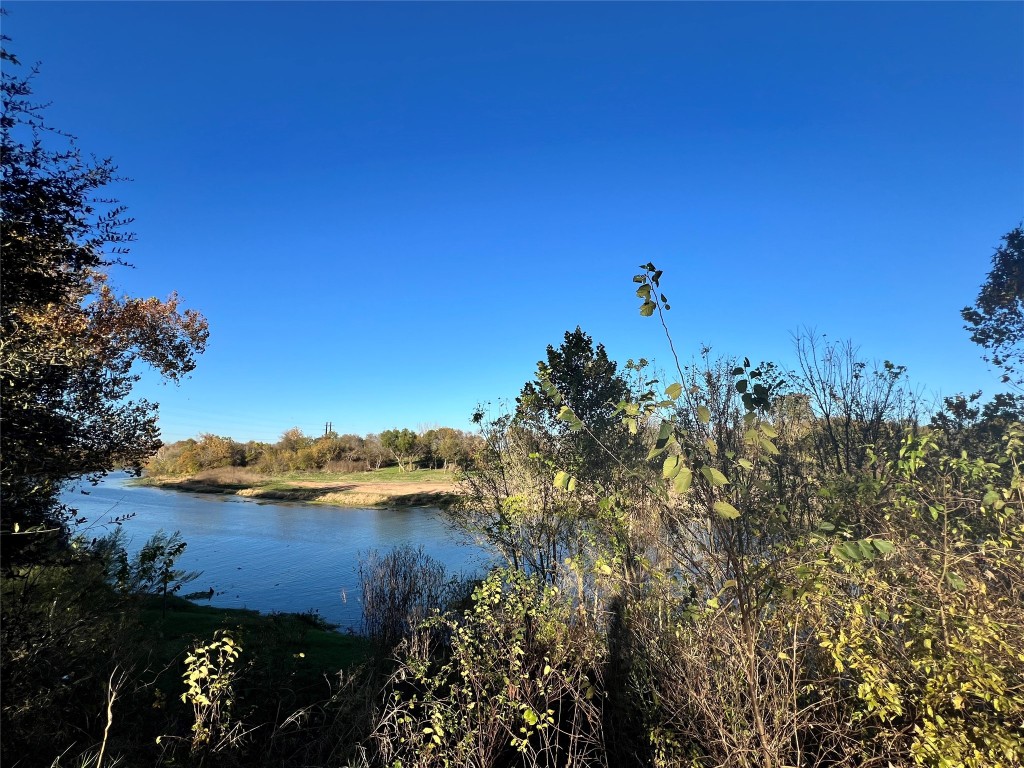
column 435, row 448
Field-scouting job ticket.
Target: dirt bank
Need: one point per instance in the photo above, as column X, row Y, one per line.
column 339, row 493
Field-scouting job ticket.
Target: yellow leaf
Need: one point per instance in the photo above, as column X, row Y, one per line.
column 683, row 480
column 726, row 510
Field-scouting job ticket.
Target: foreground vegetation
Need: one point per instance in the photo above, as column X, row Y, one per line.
column 101, row 665
column 736, row 565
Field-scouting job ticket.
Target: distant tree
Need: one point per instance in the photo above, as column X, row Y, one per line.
column 450, row 446
column 215, row 451
column 428, row 440
column 996, row 321
column 293, row 440
column 170, row 457
column 271, row 459
column 404, row 446
column 351, row 446
column 374, row 453
column 69, row 343
column 253, row 450
column 342, row 452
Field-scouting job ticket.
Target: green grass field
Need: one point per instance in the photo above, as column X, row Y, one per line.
column 383, row 475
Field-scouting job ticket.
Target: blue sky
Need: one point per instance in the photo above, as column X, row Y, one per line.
column 387, row 211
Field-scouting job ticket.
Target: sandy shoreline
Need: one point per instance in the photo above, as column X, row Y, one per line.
column 343, row 493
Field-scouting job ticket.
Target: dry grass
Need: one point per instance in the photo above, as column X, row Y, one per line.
column 228, row 476
column 386, row 491
column 356, row 499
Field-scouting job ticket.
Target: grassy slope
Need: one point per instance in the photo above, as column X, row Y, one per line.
column 184, row 623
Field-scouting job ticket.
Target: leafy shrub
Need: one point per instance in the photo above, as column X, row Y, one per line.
column 512, row 681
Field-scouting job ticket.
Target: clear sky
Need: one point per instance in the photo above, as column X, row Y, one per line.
column 387, row 211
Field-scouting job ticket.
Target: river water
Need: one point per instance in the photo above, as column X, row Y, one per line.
column 271, row 556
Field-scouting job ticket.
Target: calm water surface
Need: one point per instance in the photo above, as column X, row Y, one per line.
column 271, row 557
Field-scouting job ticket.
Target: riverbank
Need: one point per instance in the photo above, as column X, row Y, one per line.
column 383, row 489
column 313, row 644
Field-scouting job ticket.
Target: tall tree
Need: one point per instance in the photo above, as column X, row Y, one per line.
column 996, row 321
column 69, row 343
column 588, row 383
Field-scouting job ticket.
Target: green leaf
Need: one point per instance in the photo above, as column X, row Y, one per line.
column 674, row 390
column 843, row 552
column 664, row 435
column 768, row 446
column 551, row 391
column 566, row 414
column 883, row 546
column 562, row 479
column 683, row 480
column 745, row 463
column 671, row 467
column 726, row 510
column 769, row 431
column 644, row 292
column 713, row 476
column 647, row 308
column 703, row 414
